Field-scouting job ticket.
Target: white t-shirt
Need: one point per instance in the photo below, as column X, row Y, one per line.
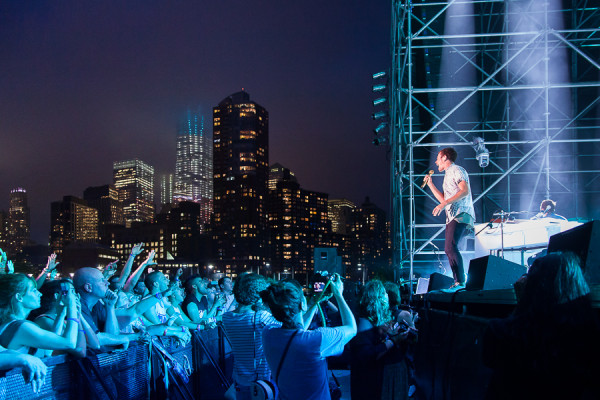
column 453, row 176
column 303, row 374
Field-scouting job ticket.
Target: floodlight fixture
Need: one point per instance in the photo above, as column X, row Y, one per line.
column 380, row 140
column 379, row 88
column 379, row 75
column 379, row 115
column 379, row 100
column 380, row 127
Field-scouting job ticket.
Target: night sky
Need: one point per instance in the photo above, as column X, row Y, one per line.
column 85, row 83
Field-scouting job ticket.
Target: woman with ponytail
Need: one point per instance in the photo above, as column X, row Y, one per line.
column 297, row 356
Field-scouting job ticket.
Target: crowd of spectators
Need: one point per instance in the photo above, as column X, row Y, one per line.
column 101, row 310
column 281, row 332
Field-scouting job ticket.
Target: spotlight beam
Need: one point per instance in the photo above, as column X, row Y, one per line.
column 476, row 90
column 470, row 61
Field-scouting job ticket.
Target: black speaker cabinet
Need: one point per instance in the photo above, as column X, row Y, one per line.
column 491, row 272
column 583, row 240
column 439, row 281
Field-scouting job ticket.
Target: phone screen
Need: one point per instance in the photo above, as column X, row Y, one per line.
column 319, row 286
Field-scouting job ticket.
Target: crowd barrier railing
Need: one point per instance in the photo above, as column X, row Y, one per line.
column 199, row 370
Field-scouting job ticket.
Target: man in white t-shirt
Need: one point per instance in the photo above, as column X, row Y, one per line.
column 458, row 203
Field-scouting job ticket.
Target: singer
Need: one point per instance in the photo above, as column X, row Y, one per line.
column 458, row 203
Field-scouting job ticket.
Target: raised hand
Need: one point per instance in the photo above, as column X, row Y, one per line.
column 150, row 260
column 110, row 269
column 337, row 286
column 52, row 263
column 10, row 267
column 137, row 249
column 3, row 260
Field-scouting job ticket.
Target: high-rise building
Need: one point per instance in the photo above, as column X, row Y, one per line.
column 370, row 232
column 174, row 236
column 167, row 185
column 3, row 230
column 134, row 180
column 340, row 215
column 105, row 199
column 194, row 164
column 18, row 232
column 241, row 170
column 72, row 220
column 297, row 224
column 278, row 172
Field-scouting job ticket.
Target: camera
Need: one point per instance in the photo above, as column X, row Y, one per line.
column 319, row 286
column 64, row 289
column 319, row 283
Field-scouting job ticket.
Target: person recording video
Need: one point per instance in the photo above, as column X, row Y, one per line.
column 296, row 355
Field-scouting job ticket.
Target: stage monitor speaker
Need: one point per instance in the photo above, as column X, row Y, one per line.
column 439, row 281
column 491, row 272
column 582, row 240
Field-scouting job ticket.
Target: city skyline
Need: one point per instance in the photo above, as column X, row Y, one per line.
column 87, row 84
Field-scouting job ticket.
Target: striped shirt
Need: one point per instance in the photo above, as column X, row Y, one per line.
column 246, row 342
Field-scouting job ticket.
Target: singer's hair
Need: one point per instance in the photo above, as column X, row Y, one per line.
column 546, row 203
column 450, row 153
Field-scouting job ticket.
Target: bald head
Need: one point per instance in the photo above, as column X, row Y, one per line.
column 90, row 281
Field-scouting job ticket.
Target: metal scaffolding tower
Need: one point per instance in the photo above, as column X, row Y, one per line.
column 524, row 76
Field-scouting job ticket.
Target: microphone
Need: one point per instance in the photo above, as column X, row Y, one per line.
column 425, row 179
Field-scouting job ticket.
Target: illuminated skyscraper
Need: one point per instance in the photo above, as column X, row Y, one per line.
column 194, row 164
column 105, row 199
column 241, row 170
column 134, row 179
column 166, row 189
column 277, row 173
column 370, row 232
column 72, row 220
column 340, row 215
column 18, row 221
column 297, row 224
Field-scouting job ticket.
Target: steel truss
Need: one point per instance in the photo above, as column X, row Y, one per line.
column 499, row 79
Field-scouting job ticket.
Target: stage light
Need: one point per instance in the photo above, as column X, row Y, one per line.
column 379, row 88
column 378, row 75
column 379, row 100
column 380, row 127
column 379, row 115
column 481, row 152
column 380, row 140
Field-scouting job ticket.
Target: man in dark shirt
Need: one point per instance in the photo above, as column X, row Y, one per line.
column 93, row 286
